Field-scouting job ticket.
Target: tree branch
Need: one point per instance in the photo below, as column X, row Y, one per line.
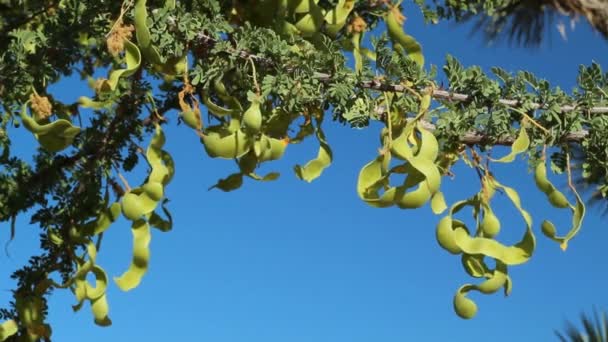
column 377, row 85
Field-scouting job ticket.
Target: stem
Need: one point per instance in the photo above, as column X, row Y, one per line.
column 529, row 118
column 255, row 77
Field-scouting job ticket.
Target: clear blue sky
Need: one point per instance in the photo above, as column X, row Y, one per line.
column 288, row 261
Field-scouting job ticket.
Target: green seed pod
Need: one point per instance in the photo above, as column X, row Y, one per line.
column 154, row 190
column 490, row 225
column 464, row 307
column 558, row 200
column 252, row 118
column 444, row 235
column 131, row 206
column 540, row 178
column 192, row 118
column 548, row 229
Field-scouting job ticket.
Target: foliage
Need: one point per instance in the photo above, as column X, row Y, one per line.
column 595, row 329
column 267, row 73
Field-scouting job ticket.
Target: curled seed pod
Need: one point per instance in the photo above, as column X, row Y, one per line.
column 141, row 257
column 464, row 307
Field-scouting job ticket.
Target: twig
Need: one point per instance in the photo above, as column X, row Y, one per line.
column 377, row 85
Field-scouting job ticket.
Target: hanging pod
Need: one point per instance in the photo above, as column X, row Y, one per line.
column 401, row 40
column 133, row 60
column 336, row 18
column 419, row 168
column 313, row 169
column 143, row 200
column 497, row 279
column 141, row 256
column 252, row 118
column 173, row 66
column 268, row 148
column 139, row 204
column 558, row 200
column 454, row 236
column 54, row 136
column 520, row 145
column 312, row 21
column 223, row 142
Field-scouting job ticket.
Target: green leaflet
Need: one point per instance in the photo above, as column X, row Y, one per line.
column 400, row 39
column 141, row 256
column 133, row 60
column 558, row 200
column 313, row 169
column 54, row 136
column 454, row 236
column 520, row 145
column 8, row 329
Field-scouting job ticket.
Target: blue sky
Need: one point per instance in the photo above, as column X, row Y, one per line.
column 291, row 261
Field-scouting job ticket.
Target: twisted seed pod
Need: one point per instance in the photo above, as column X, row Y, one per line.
column 313, row 169
column 220, row 142
column 336, row 18
column 402, row 41
column 173, row 66
column 311, row 23
column 54, row 136
column 133, row 60
column 141, row 256
column 454, row 236
column 141, row 203
column 558, row 200
column 520, row 145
